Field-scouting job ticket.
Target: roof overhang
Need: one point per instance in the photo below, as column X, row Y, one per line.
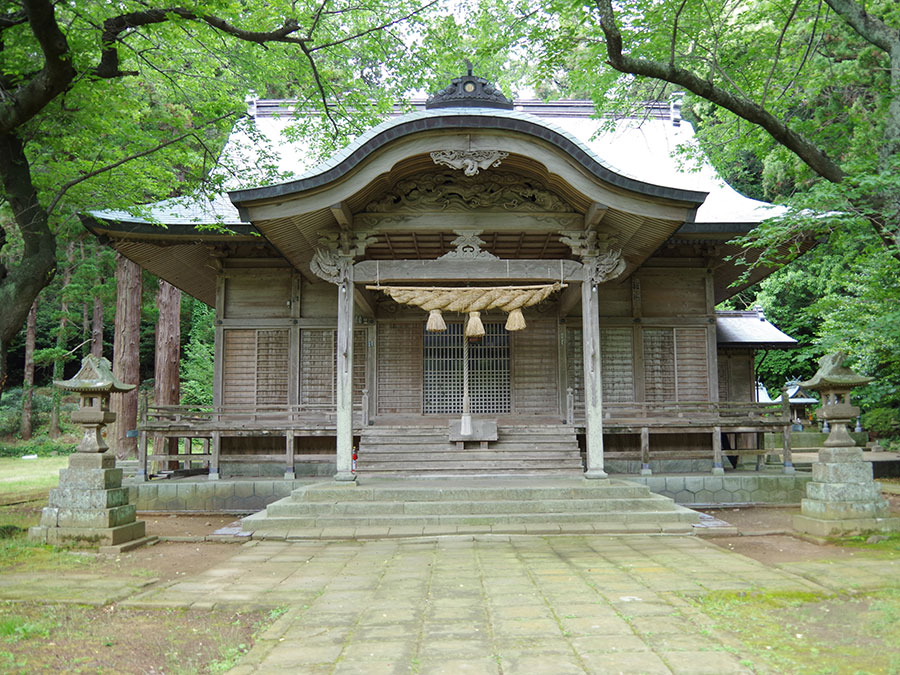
column 734, row 267
column 294, row 216
column 187, row 256
column 749, row 330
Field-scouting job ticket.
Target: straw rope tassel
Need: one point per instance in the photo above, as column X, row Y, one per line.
column 515, row 320
column 474, row 327
column 435, row 321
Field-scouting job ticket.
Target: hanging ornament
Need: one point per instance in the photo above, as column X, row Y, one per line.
column 435, row 321
column 474, row 327
column 434, row 300
column 515, row 320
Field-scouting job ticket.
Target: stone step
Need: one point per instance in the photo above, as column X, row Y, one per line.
column 502, row 445
column 468, row 455
column 451, row 470
column 430, row 508
column 256, row 523
column 494, row 491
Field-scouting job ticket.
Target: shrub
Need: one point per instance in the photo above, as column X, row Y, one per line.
column 882, row 422
column 40, row 446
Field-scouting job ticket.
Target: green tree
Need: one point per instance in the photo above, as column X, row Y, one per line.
column 804, row 90
column 794, row 101
column 114, row 104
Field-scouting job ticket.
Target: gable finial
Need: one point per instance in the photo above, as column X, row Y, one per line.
column 468, row 67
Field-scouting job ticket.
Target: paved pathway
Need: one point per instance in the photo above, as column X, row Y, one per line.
column 529, row 604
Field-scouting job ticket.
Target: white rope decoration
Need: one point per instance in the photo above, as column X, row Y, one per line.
column 472, row 301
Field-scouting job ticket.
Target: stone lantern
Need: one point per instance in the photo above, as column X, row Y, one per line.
column 90, row 505
column 94, row 382
column 834, row 382
column 842, row 497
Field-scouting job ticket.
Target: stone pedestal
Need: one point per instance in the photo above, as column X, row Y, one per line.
column 89, row 506
column 843, row 498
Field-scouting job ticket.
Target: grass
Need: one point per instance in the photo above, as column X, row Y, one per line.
column 14, row 628
column 80, row 639
column 793, row 632
column 888, row 542
column 29, row 476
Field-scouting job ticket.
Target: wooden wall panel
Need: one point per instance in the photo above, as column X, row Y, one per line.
column 575, row 367
column 318, row 378
column 399, row 368
column 258, row 294
column 673, row 293
column 535, row 369
column 738, row 369
column 659, row 364
column 615, row 299
column 272, row 367
column 319, row 300
column 676, row 364
column 317, row 364
column 724, row 379
column 239, row 369
column 692, row 364
column 617, row 364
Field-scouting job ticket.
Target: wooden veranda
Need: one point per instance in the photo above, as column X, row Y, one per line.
column 191, row 436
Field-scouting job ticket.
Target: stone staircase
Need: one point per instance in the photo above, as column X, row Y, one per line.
column 385, row 507
column 420, row 450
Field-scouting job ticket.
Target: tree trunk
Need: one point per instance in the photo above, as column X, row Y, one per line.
column 126, row 354
column 20, row 285
column 59, row 362
column 166, row 388
column 85, row 311
column 97, row 328
column 25, row 430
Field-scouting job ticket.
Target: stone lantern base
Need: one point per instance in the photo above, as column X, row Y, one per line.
column 89, row 506
column 843, row 498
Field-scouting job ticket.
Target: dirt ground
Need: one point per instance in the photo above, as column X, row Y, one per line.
column 114, row 639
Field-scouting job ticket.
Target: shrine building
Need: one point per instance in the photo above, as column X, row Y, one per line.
column 475, row 287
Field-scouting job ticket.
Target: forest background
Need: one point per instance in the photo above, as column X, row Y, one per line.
column 794, row 101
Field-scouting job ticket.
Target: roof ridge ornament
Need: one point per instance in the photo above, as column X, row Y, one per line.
column 469, row 91
column 469, row 161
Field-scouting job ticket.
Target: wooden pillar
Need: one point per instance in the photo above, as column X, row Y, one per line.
column 289, row 455
column 593, row 392
column 717, row 469
column 787, row 456
column 216, row 438
column 645, row 452
column 345, row 378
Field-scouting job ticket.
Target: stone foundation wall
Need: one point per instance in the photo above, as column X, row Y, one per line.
column 222, row 496
column 729, row 489
column 249, row 496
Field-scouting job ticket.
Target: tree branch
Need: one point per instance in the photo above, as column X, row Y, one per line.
column 320, row 86
column 675, row 32
column 387, row 24
column 56, row 75
column 870, row 28
column 114, row 27
column 109, row 167
column 817, row 160
column 765, row 92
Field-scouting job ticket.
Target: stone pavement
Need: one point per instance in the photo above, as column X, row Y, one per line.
column 490, row 604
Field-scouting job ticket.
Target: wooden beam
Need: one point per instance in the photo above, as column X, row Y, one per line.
column 342, row 215
column 594, row 215
column 364, row 303
column 569, row 298
column 488, row 222
column 375, row 271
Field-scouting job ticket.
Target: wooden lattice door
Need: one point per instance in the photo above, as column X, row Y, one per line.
column 489, row 380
